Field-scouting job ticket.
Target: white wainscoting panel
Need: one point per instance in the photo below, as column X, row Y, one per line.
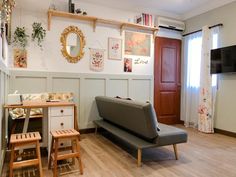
column 30, row 84
column 93, row 87
column 4, row 85
column 67, row 85
column 85, row 88
column 118, row 87
column 142, row 90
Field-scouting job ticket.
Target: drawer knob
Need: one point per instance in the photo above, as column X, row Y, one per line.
column 62, row 144
column 62, row 111
column 62, row 124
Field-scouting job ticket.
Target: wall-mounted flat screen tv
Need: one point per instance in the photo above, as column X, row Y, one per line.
column 223, row 60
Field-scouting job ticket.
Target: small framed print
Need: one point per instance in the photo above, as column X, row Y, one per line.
column 20, row 58
column 114, row 48
column 128, row 64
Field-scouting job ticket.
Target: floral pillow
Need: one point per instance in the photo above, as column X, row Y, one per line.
column 61, row 96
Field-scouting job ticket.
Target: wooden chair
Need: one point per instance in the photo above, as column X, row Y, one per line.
column 58, row 135
column 23, row 139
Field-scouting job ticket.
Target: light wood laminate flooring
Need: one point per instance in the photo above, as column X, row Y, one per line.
column 204, row 155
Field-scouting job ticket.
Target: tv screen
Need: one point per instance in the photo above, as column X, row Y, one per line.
column 223, row 60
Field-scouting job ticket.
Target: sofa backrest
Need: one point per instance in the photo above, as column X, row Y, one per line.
column 139, row 118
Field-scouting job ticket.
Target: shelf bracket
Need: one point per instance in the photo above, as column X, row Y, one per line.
column 94, row 25
column 122, row 29
column 49, row 20
column 154, row 34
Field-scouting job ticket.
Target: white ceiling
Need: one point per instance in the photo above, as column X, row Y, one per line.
column 182, row 9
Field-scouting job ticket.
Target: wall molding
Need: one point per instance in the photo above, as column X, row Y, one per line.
column 3, row 67
column 4, row 87
column 85, row 87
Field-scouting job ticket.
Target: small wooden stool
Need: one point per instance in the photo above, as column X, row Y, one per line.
column 58, row 135
column 23, row 139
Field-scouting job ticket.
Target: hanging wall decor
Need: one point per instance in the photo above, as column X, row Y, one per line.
column 97, row 59
column 114, row 48
column 20, row 58
column 20, row 37
column 137, row 44
column 38, row 33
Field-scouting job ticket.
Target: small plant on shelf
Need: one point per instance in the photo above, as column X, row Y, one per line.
column 20, row 38
column 38, row 33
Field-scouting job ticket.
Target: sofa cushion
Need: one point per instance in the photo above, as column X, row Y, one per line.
column 170, row 135
column 138, row 118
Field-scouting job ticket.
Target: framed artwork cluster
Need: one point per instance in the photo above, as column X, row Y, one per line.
column 136, row 45
column 137, row 49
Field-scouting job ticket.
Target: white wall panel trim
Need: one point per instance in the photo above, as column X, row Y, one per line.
column 85, row 87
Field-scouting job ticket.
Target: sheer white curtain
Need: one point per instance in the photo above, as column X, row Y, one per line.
column 190, row 94
column 191, row 79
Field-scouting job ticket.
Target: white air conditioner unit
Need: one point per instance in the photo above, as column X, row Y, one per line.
column 167, row 23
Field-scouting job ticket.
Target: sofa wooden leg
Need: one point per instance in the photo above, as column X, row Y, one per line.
column 175, row 150
column 139, row 158
column 96, row 129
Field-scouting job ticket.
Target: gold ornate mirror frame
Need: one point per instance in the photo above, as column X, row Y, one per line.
column 64, row 35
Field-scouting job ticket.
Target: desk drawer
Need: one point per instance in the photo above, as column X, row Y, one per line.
column 62, row 111
column 60, row 123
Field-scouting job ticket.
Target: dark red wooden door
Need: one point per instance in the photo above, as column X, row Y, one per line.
column 167, row 83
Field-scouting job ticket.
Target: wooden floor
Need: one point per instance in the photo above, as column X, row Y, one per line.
column 205, row 155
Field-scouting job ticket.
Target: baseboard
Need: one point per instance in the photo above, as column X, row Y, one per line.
column 87, row 130
column 224, row 132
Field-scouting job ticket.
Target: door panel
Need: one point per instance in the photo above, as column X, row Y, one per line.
column 167, row 80
column 168, row 65
column 167, row 99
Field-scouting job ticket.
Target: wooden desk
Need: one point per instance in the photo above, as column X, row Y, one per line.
column 28, row 105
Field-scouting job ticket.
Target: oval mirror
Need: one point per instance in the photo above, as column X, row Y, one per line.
column 73, row 42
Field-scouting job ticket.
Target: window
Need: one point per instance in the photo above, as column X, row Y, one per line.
column 194, row 59
column 214, row 46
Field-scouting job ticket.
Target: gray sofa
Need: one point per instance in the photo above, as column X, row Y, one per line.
column 136, row 123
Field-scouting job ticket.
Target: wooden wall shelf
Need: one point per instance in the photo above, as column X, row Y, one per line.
column 96, row 20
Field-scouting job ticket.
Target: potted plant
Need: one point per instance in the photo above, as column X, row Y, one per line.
column 38, row 33
column 20, row 38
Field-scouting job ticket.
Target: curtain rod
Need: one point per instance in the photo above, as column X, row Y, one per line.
column 220, row 24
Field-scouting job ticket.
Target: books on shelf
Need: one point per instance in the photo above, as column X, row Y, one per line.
column 145, row 19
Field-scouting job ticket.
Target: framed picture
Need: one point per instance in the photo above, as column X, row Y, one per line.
column 138, row 44
column 20, row 58
column 114, row 48
column 127, row 64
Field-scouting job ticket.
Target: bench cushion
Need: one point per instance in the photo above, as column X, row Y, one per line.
column 138, row 118
column 124, row 135
column 170, row 135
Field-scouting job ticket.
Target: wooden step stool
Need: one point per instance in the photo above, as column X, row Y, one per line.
column 23, row 139
column 58, row 135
